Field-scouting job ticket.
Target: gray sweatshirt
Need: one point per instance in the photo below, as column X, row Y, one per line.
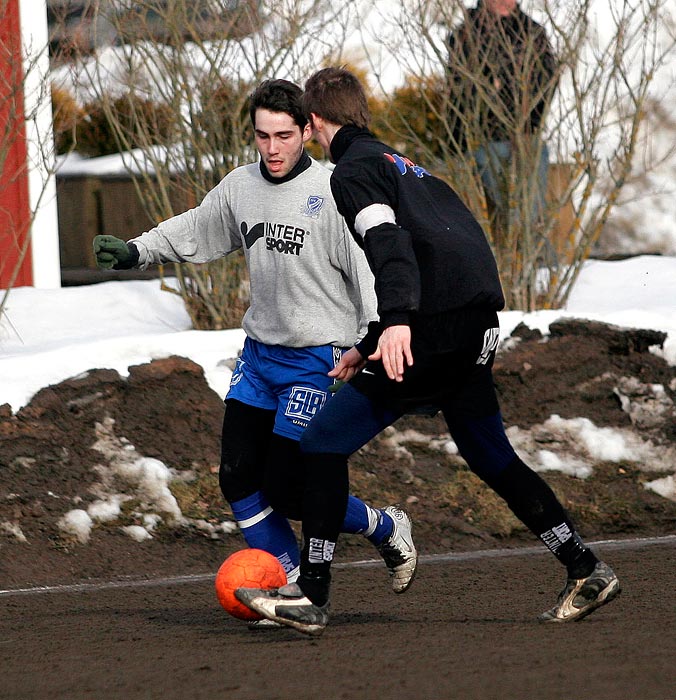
column 310, row 282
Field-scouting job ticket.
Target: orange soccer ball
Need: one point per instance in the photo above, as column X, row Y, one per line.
column 247, row 568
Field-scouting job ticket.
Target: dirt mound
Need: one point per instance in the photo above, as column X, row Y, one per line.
column 137, row 460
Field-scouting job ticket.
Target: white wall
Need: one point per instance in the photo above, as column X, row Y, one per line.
column 41, row 180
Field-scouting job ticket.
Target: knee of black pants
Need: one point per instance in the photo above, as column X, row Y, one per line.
column 245, row 443
column 238, row 478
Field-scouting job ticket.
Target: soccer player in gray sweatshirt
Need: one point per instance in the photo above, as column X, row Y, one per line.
column 312, row 297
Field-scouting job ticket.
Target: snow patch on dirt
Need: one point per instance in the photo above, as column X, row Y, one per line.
column 565, row 445
column 143, row 480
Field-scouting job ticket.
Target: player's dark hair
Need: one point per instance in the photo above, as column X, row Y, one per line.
column 278, row 96
column 336, row 95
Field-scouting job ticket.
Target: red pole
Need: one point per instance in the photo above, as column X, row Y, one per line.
column 15, row 253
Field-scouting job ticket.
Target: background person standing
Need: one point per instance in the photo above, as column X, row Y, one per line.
column 502, row 74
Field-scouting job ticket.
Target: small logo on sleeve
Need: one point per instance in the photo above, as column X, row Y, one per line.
column 404, row 164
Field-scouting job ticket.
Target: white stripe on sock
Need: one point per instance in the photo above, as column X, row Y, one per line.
column 243, row 524
column 374, row 519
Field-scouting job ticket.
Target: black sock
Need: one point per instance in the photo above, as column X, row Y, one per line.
column 324, row 505
column 578, row 559
column 315, row 585
column 532, row 500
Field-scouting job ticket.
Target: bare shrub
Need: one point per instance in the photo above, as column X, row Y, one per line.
column 196, row 62
column 606, row 59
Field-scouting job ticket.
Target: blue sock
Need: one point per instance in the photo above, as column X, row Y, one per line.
column 263, row 528
column 373, row 523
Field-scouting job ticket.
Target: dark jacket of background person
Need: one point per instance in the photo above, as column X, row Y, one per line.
column 506, row 56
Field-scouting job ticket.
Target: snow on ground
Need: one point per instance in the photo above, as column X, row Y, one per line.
column 47, row 336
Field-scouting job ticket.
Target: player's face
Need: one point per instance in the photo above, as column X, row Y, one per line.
column 503, row 8
column 279, row 140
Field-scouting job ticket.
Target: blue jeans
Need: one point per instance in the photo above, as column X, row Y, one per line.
column 494, row 163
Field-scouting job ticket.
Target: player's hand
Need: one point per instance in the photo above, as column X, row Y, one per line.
column 111, row 252
column 350, row 363
column 394, row 349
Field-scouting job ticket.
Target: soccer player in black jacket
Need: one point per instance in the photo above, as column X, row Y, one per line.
column 438, row 296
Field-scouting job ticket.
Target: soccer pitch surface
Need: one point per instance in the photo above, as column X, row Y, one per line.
column 466, row 629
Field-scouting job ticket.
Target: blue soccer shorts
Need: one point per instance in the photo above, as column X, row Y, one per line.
column 293, row 382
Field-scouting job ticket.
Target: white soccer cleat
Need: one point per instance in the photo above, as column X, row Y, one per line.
column 582, row 596
column 288, row 606
column 398, row 550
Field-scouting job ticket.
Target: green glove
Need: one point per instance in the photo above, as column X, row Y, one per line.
column 336, row 386
column 114, row 253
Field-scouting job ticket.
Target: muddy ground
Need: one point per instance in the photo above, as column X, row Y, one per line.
column 466, row 630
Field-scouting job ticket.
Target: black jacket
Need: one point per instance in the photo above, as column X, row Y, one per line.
column 433, row 266
column 513, row 73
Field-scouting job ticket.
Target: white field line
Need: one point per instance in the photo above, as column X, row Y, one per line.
column 633, row 543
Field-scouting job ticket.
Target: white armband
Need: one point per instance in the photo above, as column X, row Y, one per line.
column 372, row 216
